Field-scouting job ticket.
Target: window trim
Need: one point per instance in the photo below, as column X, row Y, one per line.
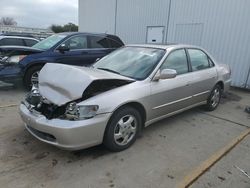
column 188, row 65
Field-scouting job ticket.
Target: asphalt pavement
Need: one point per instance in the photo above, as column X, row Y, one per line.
column 166, row 153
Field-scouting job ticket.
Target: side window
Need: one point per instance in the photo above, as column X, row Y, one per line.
column 76, row 42
column 114, row 44
column 98, row 42
column 198, row 59
column 30, row 42
column 176, row 60
column 13, row 41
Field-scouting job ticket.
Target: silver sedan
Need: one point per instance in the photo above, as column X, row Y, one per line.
column 79, row 107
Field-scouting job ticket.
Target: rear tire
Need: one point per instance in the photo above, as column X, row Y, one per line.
column 214, row 99
column 31, row 75
column 122, row 129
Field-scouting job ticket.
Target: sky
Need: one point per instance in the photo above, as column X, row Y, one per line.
column 40, row 13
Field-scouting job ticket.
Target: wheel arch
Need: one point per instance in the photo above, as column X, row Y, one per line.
column 26, row 71
column 221, row 84
column 34, row 64
column 31, row 66
column 136, row 105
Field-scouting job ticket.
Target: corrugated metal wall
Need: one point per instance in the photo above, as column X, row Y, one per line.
column 220, row 26
column 133, row 17
column 225, row 34
column 189, row 33
column 97, row 16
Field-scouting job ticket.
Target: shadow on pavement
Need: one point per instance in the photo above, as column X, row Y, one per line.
column 4, row 86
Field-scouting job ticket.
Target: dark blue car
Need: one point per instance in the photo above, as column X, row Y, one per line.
column 81, row 49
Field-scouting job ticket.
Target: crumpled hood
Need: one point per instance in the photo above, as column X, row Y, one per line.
column 60, row 83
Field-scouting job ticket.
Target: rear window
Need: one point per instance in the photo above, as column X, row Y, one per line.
column 98, row 42
column 114, row 44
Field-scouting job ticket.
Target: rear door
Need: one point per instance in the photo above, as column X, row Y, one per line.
column 204, row 74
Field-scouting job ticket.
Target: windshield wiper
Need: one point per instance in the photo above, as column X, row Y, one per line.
column 109, row 70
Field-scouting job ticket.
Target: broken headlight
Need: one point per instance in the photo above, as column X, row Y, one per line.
column 79, row 112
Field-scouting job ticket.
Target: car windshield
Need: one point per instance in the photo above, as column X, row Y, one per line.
column 133, row 62
column 49, row 42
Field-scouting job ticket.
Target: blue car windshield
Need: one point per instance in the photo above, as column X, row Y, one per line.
column 133, row 62
column 49, row 42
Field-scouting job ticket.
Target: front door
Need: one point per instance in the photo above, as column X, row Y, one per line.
column 78, row 53
column 173, row 94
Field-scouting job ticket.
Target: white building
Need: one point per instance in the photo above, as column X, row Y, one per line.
column 36, row 32
column 220, row 26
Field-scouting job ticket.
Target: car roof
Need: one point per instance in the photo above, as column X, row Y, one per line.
column 85, row 33
column 163, row 46
column 113, row 37
column 17, row 37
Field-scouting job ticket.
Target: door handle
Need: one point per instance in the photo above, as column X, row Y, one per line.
column 85, row 52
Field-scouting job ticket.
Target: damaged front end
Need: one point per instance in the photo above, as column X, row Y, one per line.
column 101, row 86
column 36, row 103
column 63, row 87
column 40, row 105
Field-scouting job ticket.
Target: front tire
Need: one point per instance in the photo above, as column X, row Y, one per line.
column 122, row 129
column 214, row 99
column 31, row 76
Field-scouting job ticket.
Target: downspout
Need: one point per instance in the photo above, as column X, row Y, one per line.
column 248, row 78
column 115, row 16
column 169, row 13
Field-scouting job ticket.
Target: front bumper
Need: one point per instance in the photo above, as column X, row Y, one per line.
column 66, row 134
column 10, row 73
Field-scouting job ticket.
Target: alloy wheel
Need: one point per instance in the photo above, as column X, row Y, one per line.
column 125, row 130
column 215, row 99
column 34, row 78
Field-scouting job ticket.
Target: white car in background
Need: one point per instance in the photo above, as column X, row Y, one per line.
column 17, row 41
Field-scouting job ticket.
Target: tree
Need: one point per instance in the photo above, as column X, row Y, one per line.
column 70, row 27
column 56, row 28
column 7, row 21
column 64, row 28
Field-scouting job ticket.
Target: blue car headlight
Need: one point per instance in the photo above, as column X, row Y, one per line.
column 15, row 58
column 80, row 112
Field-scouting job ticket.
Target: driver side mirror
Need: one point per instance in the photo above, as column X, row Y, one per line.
column 165, row 74
column 63, row 48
